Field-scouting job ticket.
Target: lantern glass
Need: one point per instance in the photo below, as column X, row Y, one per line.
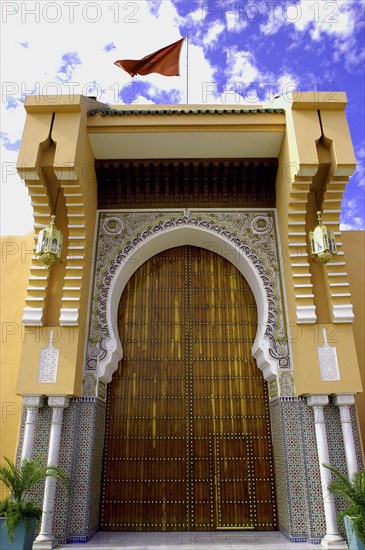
column 323, row 243
column 49, row 245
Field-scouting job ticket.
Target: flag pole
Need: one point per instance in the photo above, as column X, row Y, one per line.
column 187, row 69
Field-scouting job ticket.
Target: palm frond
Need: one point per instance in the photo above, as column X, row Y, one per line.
column 353, row 492
column 20, row 480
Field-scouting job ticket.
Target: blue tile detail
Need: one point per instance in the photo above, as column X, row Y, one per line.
column 299, row 491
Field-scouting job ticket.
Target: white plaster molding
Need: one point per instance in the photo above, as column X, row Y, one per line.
column 343, row 170
column 260, row 351
column 58, row 401
column 306, row 314
column 344, row 399
column 332, row 538
column 328, row 362
column 307, row 170
column 45, row 539
column 345, row 415
column 333, row 542
column 48, row 362
column 343, row 313
column 69, row 316
column 32, row 316
column 28, row 175
column 317, row 400
column 344, row 402
column 33, row 401
column 195, row 236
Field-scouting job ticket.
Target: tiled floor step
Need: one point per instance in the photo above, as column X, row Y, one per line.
column 190, row 541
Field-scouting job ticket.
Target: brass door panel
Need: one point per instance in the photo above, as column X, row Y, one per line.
column 187, row 443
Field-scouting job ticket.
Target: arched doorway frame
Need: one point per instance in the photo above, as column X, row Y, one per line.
column 246, row 238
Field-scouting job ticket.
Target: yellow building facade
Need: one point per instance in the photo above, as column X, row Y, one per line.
column 186, row 328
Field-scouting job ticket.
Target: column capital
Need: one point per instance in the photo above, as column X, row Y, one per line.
column 344, row 399
column 58, row 401
column 36, row 401
column 317, row 400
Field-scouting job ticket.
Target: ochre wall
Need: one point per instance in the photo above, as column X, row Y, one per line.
column 55, row 160
column 16, row 253
column 354, row 245
column 315, row 156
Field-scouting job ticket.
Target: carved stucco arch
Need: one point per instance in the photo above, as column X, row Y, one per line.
column 172, row 238
column 206, row 230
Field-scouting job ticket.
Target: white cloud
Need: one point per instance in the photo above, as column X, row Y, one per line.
column 12, row 122
column 241, row 67
column 340, row 20
column 347, row 49
column 337, row 17
column 352, row 213
column 167, row 15
column 235, row 22
column 279, row 85
column 356, row 224
column 333, row 18
column 16, row 211
column 359, row 174
column 212, row 36
column 86, row 28
column 40, row 48
column 275, row 21
column 196, row 15
column 46, row 66
column 36, row 69
column 144, row 101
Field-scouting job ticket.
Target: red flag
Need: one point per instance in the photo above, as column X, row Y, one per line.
column 164, row 61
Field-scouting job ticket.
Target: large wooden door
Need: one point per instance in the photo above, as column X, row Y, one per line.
column 187, row 443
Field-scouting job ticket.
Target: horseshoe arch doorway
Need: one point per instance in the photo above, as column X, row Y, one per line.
column 188, row 442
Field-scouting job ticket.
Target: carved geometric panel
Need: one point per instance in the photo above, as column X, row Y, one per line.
column 328, row 362
column 251, row 232
column 48, row 361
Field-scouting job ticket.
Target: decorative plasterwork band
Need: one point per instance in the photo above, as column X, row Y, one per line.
column 48, row 362
column 38, row 278
column 337, row 278
column 328, row 362
column 344, row 399
column 127, row 239
column 297, row 247
column 75, row 207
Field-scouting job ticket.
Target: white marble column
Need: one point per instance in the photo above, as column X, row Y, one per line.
column 31, row 403
column 344, row 402
column 332, row 538
column 45, row 539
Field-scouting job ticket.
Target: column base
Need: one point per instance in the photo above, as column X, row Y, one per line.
column 335, row 542
column 46, row 544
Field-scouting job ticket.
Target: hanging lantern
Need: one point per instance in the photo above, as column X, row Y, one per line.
column 323, row 243
column 49, row 246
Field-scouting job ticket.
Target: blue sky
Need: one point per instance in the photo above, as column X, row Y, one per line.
column 240, row 52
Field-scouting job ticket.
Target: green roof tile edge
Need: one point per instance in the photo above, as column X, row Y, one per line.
column 124, row 112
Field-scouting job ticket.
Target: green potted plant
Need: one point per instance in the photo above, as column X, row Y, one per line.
column 18, row 514
column 353, row 493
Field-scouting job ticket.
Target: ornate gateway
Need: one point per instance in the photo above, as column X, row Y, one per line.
column 247, row 238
